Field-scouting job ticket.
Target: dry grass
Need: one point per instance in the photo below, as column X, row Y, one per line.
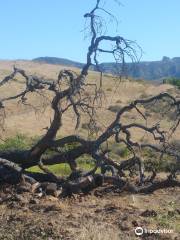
column 26, row 120
column 98, row 231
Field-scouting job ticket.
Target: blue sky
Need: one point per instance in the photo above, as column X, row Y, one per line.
column 33, row 28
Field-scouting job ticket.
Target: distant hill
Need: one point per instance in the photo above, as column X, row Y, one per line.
column 60, row 61
column 152, row 70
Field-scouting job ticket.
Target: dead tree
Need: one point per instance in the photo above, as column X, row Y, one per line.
column 70, row 87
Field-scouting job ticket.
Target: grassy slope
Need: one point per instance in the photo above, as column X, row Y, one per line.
column 24, row 120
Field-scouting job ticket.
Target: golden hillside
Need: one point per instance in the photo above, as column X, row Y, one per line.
column 35, row 116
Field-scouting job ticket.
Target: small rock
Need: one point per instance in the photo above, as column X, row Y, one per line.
column 35, row 187
column 51, row 189
column 40, row 195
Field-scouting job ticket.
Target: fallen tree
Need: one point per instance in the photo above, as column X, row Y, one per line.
column 69, row 92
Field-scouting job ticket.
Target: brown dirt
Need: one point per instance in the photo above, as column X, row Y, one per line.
column 108, row 215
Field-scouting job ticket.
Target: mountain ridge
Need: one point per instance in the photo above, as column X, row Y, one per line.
column 148, row 70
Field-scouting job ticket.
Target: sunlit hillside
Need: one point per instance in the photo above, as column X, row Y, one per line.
column 34, row 117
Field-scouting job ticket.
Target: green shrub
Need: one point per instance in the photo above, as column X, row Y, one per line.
column 152, row 161
column 174, row 81
column 19, row 142
column 122, row 152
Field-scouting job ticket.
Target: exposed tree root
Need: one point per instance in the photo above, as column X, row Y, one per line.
column 10, row 173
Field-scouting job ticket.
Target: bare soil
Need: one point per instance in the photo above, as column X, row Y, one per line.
column 104, row 214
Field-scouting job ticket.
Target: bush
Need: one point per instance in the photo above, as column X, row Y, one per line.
column 19, row 142
column 122, row 152
column 160, row 108
column 152, row 161
column 22, row 142
column 173, row 81
column 118, row 101
column 119, row 149
column 109, row 89
column 114, row 108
